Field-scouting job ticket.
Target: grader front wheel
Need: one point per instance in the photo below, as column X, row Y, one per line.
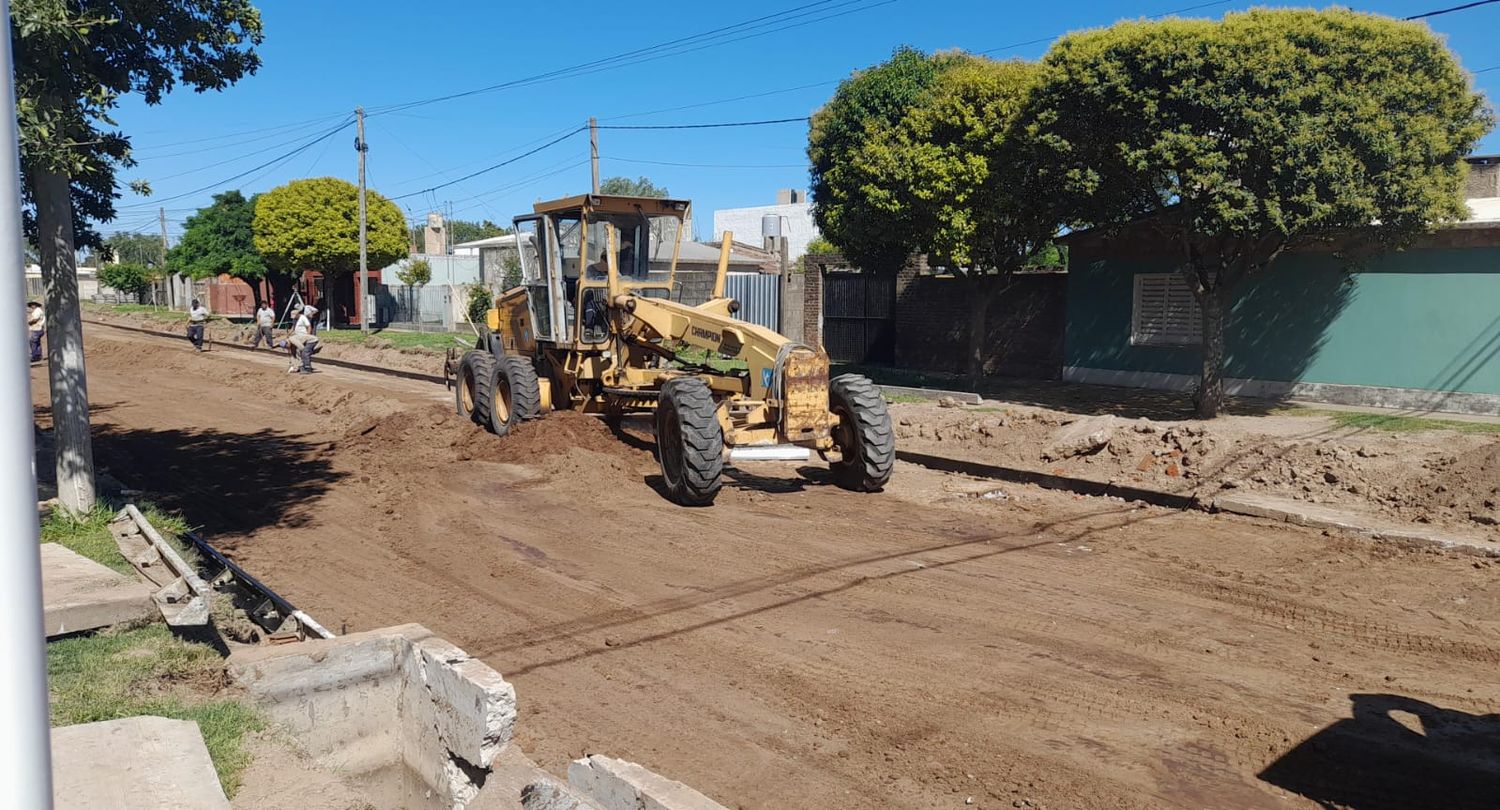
column 689, row 442
column 863, row 436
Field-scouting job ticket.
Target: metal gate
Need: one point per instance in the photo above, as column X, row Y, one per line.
column 759, row 295
column 859, row 317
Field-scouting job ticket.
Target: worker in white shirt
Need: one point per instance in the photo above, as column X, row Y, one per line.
column 265, row 318
column 197, row 321
column 304, row 341
column 36, row 325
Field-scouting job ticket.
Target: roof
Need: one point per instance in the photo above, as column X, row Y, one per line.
column 700, row 253
column 507, row 240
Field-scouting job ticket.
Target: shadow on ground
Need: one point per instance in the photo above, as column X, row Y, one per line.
column 224, row 482
column 1396, row 752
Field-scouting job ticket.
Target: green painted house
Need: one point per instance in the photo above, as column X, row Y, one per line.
column 1417, row 329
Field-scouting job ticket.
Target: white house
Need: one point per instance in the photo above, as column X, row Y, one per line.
column 792, row 210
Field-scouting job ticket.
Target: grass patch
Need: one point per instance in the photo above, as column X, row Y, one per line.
column 1392, row 423
column 89, row 537
column 905, row 399
column 148, row 671
column 128, row 308
column 436, row 341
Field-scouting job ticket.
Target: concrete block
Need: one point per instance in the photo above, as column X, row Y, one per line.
column 397, row 706
column 615, row 784
column 138, row 763
column 1088, row 435
column 79, row 594
column 546, row 794
column 1318, row 516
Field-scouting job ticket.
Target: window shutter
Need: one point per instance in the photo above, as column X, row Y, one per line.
column 1165, row 313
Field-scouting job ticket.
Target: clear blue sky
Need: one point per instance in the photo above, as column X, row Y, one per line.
column 321, row 59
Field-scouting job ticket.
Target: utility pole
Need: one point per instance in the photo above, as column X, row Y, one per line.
column 594, row 150
column 364, row 269
column 162, row 215
column 26, row 769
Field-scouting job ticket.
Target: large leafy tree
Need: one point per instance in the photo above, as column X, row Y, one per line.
column 624, row 186
column 850, row 203
column 218, row 240
column 313, row 224
column 125, row 246
column 130, row 278
column 1236, row 141
column 74, row 59
column 957, row 177
column 463, row 230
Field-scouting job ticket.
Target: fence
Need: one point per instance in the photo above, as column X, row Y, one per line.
column 759, row 296
column 423, row 308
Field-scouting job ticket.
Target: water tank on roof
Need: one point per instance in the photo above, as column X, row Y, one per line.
column 770, row 225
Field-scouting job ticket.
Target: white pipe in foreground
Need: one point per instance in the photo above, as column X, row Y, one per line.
column 25, row 742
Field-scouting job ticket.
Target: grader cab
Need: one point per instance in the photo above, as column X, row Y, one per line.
column 596, row 326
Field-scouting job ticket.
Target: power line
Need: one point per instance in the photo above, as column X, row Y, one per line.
column 722, row 125
column 487, row 169
column 717, row 36
column 721, row 101
column 276, row 160
column 1486, row 70
column 1442, row 11
column 712, row 165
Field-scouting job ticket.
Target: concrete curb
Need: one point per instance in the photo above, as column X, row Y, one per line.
column 1081, row 486
column 1322, row 517
column 966, row 397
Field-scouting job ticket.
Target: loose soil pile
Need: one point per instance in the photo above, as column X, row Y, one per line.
column 1438, row 477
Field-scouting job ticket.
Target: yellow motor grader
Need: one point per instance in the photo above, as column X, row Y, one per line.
column 594, row 326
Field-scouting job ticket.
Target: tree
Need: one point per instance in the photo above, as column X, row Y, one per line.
column 462, row 230
column 415, row 273
column 125, row 246
column 1239, row 140
column 126, row 277
column 848, row 203
column 73, row 61
column 478, row 303
column 511, row 264
column 948, row 168
column 313, row 224
column 625, row 187
column 220, row 240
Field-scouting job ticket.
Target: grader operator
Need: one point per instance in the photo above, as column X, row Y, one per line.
column 595, row 327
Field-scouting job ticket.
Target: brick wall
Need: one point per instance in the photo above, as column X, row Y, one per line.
column 1024, row 322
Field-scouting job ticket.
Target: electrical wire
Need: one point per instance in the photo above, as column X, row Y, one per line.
column 1440, row 12
column 487, row 169
column 711, row 165
column 272, row 162
column 721, row 125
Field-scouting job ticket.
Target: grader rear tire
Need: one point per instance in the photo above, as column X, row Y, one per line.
column 866, row 443
column 471, row 394
column 514, row 395
column 689, row 442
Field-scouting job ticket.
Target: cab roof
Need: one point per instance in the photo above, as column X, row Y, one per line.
column 613, row 203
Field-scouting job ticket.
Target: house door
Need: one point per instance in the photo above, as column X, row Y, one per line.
column 859, row 317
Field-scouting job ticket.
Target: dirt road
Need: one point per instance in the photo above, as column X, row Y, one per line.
column 800, row 646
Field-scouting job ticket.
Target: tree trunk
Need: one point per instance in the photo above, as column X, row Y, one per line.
column 70, row 397
column 978, row 309
column 1211, row 385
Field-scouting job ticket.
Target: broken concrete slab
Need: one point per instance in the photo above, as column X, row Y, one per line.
column 79, row 594
column 1325, row 517
column 1081, row 437
column 615, row 784
column 137, row 763
column 415, row 717
column 547, row 794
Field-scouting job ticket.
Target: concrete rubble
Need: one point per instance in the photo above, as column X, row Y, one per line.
column 420, row 720
column 137, row 763
column 615, row 784
column 1079, row 438
column 79, row 594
